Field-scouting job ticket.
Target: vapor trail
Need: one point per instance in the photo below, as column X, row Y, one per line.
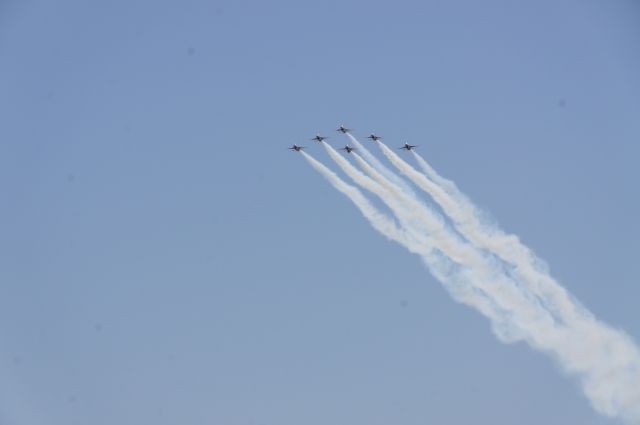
column 465, row 217
column 440, row 265
column 375, row 163
column 431, row 173
column 455, row 277
column 606, row 359
column 382, row 223
column 513, row 315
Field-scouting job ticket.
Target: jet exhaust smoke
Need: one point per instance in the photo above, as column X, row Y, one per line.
column 376, row 218
column 375, row 163
column 484, row 275
column 495, row 273
column 458, row 281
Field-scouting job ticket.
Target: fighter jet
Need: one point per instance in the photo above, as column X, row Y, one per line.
column 318, row 138
column 296, row 148
column 343, row 129
column 348, row 148
column 408, row 147
column 373, row 137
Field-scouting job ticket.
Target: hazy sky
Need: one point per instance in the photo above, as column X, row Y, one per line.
column 164, row 259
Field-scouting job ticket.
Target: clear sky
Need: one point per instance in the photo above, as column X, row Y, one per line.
column 164, row 259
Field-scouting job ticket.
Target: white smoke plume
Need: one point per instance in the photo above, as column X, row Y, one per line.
column 377, row 219
column 465, row 217
column 375, row 163
column 606, row 359
column 500, row 277
column 457, row 279
column 484, row 275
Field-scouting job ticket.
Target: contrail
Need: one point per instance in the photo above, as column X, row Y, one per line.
column 606, row 360
column 375, row 163
column 465, row 217
column 377, row 219
column 513, row 312
column 431, row 173
column 457, row 279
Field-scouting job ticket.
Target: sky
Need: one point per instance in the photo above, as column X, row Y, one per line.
column 164, row 259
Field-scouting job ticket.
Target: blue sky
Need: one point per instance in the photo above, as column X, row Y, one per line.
column 164, row 259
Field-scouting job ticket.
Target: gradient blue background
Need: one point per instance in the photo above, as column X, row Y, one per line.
column 164, row 259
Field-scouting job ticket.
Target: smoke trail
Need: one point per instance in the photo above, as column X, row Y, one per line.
column 377, row 219
column 375, row 163
column 431, row 173
column 512, row 313
column 457, row 279
column 606, row 360
column 466, row 220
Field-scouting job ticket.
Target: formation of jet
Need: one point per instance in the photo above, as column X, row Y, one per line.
column 408, row 147
column 373, row 137
column 318, row 138
column 344, row 130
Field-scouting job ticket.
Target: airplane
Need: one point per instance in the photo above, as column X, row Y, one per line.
column 348, row 148
column 296, row 148
column 318, row 138
column 343, row 129
column 373, row 137
column 408, row 147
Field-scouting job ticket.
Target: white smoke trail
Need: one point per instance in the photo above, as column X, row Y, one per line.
column 375, row 163
column 441, row 266
column 606, row 360
column 377, row 219
column 431, row 173
column 465, row 217
column 468, row 219
column 512, row 313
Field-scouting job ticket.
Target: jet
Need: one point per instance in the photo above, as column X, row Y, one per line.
column 318, row 138
column 373, row 137
column 296, row 148
column 348, row 148
column 408, row 147
column 343, row 129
